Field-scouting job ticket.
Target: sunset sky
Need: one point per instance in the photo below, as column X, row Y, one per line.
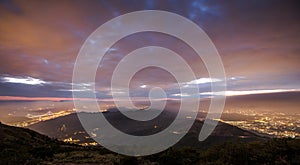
column 257, row 40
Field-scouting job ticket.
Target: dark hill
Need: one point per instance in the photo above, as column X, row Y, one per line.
column 18, row 145
column 69, row 126
column 24, row 146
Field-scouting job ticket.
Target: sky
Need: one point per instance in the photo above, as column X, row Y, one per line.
column 258, row 42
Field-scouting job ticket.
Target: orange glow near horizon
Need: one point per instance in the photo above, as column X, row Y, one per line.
column 228, row 94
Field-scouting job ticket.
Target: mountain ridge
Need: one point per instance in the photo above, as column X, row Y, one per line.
column 69, row 126
column 24, row 146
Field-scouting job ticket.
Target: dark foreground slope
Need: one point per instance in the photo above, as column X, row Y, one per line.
column 23, row 146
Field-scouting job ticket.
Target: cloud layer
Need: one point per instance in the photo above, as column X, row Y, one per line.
column 39, row 41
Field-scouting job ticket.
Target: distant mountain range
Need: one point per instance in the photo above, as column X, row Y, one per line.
column 69, row 126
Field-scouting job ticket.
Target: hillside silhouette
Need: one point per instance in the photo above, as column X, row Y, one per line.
column 24, row 146
column 69, row 126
